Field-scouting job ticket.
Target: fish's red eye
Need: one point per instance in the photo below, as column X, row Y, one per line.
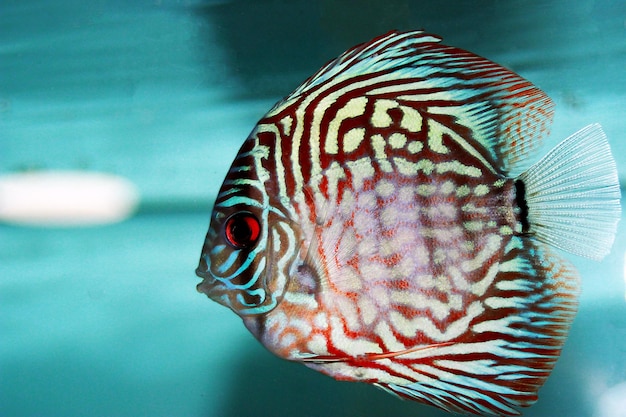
column 242, row 230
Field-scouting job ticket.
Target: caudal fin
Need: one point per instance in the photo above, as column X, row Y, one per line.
column 573, row 195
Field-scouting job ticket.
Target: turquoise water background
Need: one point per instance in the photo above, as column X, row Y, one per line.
column 105, row 320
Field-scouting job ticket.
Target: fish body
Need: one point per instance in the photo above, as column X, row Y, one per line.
column 383, row 224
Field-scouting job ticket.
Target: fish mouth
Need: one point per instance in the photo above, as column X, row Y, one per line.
column 213, row 289
column 210, row 285
column 203, row 271
column 208, row 281
column 201, row 274
column 209, row 288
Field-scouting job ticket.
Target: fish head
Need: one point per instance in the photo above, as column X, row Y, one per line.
column 246, row 243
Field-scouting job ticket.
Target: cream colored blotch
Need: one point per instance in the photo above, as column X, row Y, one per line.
column 65, row 198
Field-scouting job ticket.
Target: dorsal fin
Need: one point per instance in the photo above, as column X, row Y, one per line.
column 507, row 115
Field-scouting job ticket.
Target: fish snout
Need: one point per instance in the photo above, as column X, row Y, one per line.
column 201, row 273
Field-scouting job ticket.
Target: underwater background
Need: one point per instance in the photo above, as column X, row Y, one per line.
column 105, row 320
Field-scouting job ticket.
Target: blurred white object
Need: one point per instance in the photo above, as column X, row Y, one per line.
column 612, row 403
column 65, row 198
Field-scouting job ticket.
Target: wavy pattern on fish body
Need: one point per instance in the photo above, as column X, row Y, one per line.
column 426, row 278
column 410, row 216
column 374, row 226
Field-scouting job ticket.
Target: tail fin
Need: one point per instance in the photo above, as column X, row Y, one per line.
column 573, row 195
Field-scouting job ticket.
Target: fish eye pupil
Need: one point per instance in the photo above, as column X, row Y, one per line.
column 242, row 230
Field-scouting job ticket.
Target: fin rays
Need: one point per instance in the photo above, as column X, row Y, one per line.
column 573, row 195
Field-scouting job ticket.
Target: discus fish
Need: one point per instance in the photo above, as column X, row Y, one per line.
column 383, row 224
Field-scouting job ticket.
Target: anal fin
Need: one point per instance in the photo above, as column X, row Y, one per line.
column 510, row 349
